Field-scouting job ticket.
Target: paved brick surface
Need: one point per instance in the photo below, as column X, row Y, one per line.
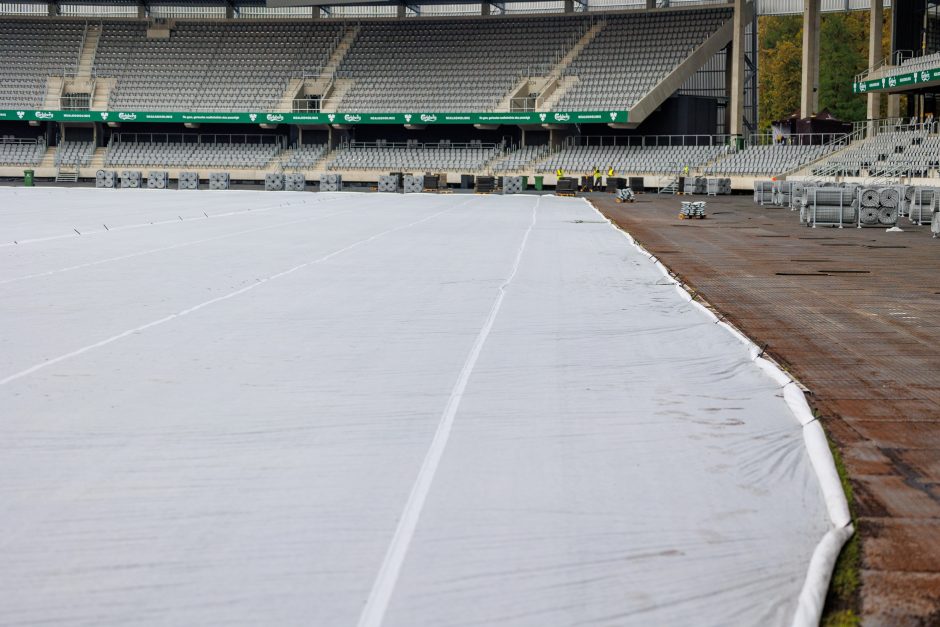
column 854, row 314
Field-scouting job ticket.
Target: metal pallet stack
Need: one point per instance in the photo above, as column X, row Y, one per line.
column 104, row 179
column 413, row 183
column 692, row 209
column 295, row 182
column 130, row 179
column 512, row 185
column 485, row 184
column 331, row 182
column 388, row 183
column 566, row 186
column 220, row 180
column 158, row 179
column 188, row 180
column 829, row 206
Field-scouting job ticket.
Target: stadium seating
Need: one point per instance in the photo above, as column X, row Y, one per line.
column 767, row 160
column 210, row 67
column 631, row 55
column 213, row 151
column 32, row 51
column 460, row 65
column 520, row 158
column 392, row 65
column 630, row 159
column 414, row 157
column 306, row 155
column 74, row 153
column 913, row 152
column 19, row 151
column 915, row 64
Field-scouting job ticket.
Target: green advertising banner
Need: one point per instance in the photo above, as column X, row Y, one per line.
column 576, row 117
column 896, row 81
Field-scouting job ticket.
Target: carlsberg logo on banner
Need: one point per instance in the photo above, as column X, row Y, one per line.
column 44, row 115
column 352, row 117
column 127, row 116
column 428, row 117
column 562, row 117
column 272, row 117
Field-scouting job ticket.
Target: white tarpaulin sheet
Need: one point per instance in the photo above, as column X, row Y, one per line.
column 248, row 408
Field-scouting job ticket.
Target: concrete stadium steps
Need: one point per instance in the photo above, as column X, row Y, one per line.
column 560, row 87
column 53, row 97
column 554, row 84
column 86, row 61
column 286, row 105
column 101, row 98
column 340, row 88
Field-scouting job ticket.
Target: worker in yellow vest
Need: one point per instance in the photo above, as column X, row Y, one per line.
column 597, row 176
column 559, row 173
column 610, row 171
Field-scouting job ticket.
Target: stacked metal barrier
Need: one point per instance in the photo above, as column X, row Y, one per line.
column 220, row 180
column 413, row 183
column 694, row 185
column 717, row 186
column 797, row 191
column 158, row 179
column 331, row 182
column 188, row 180
column 513, row 184
column 388, row 183
column 295, row 182
column 274, row 182
column 924, row 203
column 782, row 193
column 764, row 192
column 105, row 179
column 130, row 179
column 829, row 206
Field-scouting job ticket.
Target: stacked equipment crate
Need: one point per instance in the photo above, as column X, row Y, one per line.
column 388, row 183
column 512, row 184
column 331, row 182
column 295, row 182
column 130, row 179
column 220, row 180
column 188, row 180
column 413, row 183
column 105, row 179
column 158, row 179
column 274, row 182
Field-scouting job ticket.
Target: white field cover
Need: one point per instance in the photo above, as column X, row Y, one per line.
column 250, row 408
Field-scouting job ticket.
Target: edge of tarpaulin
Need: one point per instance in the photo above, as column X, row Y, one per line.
column 816, row 584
